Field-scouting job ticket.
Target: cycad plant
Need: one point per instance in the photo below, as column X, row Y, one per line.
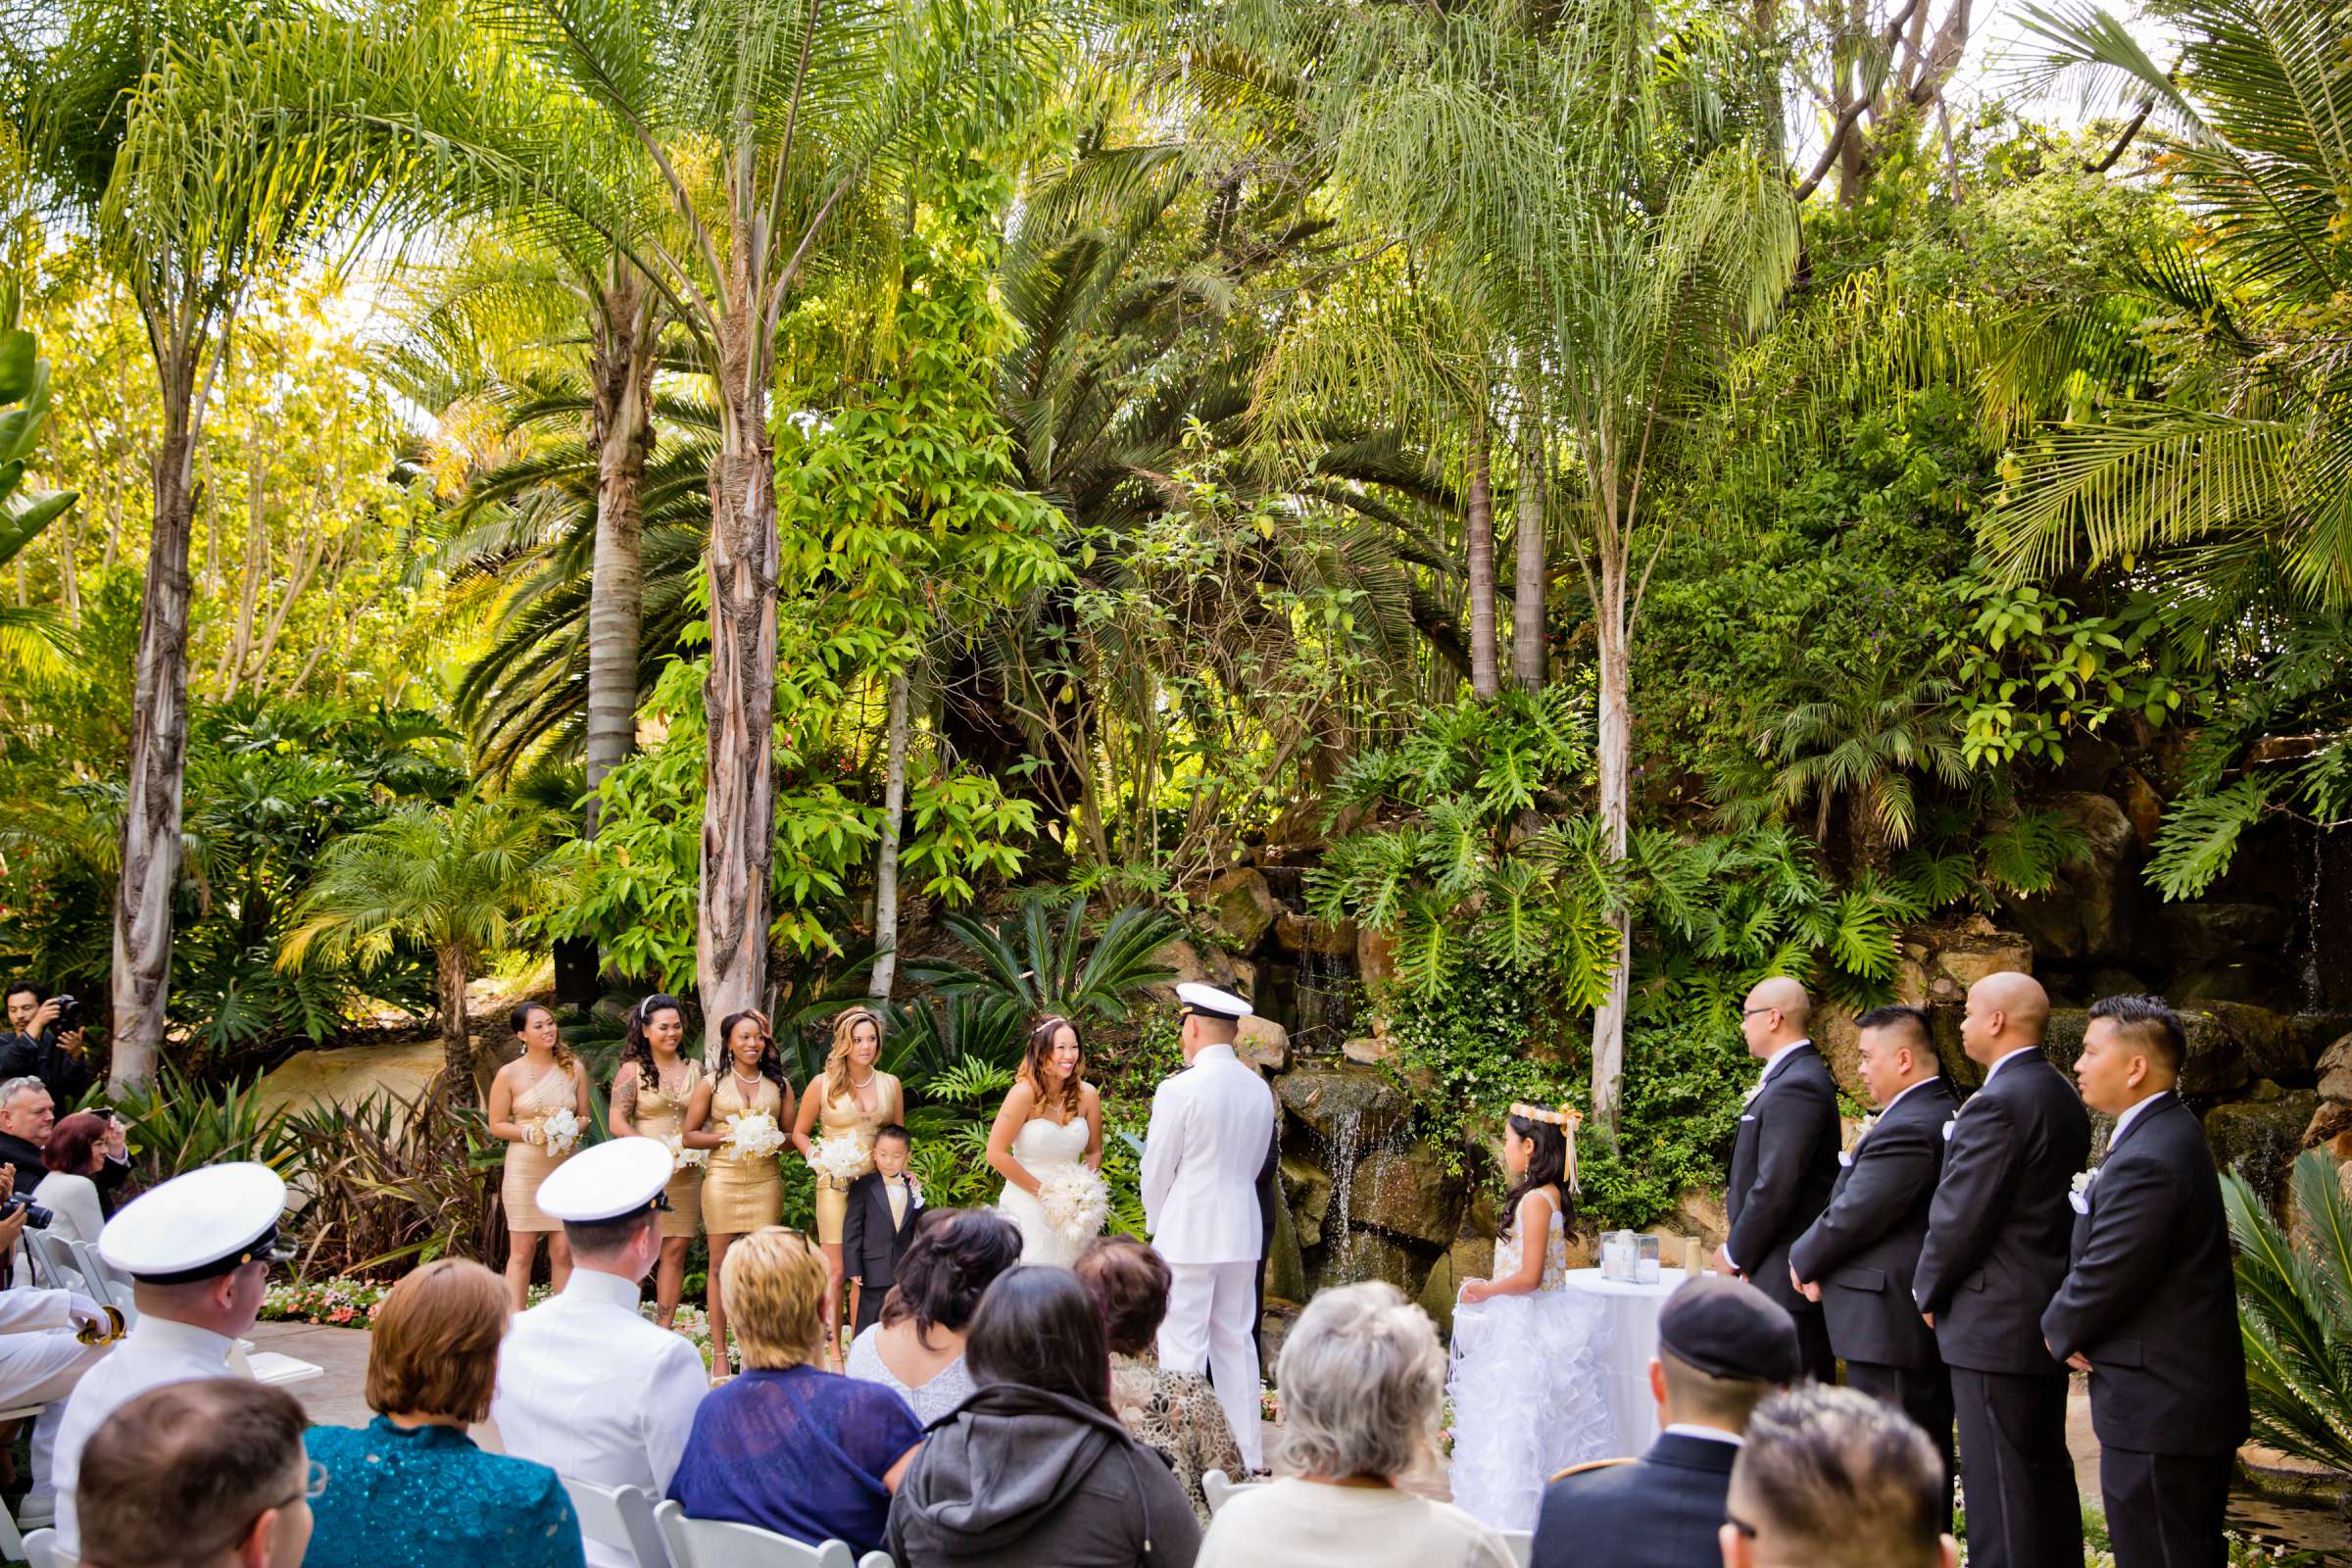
column 1042, row 960
column 2294, row 1311
column 459, row 880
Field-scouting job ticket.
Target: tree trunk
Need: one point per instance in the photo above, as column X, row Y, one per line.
column 1530, row 569
column 457, row 1046
column 159, row 748
column 1485, row 680
column 621, row 381
column 1614, row 761
column 740, row 697
column 886, row 868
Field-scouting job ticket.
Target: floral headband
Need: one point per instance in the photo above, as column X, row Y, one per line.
column 1567, row 1118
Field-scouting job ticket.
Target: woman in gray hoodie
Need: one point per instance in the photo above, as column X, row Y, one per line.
column 1033, row 1467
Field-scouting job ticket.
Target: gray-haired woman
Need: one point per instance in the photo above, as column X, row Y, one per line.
column 1361, row 1376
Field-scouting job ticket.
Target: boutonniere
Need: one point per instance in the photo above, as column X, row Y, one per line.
column 2079, row 1198
column 1753, row 1091
column 914, row 1192
column 1845, row 1156
column 1950, row 1122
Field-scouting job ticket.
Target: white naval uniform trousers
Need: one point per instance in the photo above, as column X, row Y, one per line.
column 1210, row 1125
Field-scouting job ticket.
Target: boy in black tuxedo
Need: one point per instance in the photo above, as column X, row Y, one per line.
column 1858, row 1258
column 884, row 1203
column 2149, row 1307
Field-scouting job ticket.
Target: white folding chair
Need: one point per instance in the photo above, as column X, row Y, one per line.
column 268, row 1366
column 720, row 1543
column 54, row 1260
column 1216, row 1486
column 1522, row 1543
column 619, row 1517
column 105, row 1283
column 40, row 1551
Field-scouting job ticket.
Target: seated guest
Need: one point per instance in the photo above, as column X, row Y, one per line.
column 1175, row 1414
column 884, row 1204
column 586, row 1384
column 917, row 1350
column 207, row 1474
column 27, row 1116
column 1723, row 1346
column 74, row 1153
column 1831, row 1477
column 1034, row 1468
column 1363, row 1377
column 416, row 1487
column 787, row 1447
column 42, row 1355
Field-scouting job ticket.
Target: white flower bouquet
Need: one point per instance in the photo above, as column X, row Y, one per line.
column 1075, row 1201
column 559, row 1130
column 840, row 1158
column 683, row 1158
column 753, row 1134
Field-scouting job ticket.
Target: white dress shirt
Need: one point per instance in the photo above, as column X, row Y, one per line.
column 155, row 1352
column 1692, row 1429
column 2131, row 1113
column 592, row 1389
column 1212, row 1126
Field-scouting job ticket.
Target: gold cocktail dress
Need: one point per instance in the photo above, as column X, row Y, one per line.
column 527, row 1164
column 739, row 1195
column 835, row 1117
column 658, row 1115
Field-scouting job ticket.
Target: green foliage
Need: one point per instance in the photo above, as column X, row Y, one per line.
column 1042, row 960
column 24, row 513
column 2034, row 674
column 175, row 1125
column 459, row 879
column 392, row 1183
column 2293, row 1305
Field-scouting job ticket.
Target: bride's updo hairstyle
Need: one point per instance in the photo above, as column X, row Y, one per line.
column 954, row 1257
column 1041, row 1051
column 1546, row 1166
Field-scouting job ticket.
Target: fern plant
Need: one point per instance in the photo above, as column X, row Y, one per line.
column 2295, row 1315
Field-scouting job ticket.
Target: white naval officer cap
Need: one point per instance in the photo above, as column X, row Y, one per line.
column 199, row 1226
column 1198, row 998
column 611, row 1181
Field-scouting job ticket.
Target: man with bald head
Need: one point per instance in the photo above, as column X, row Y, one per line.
column 1785, row 1161
column 1994, row 1254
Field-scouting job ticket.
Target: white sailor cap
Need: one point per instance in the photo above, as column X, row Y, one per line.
column 611, row 1181
column 200, row 1225
column 1198, row 998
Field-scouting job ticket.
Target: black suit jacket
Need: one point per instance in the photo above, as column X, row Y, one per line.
column 1864, row 1249
column 1784, row 1163
column 66, row 1074
column 2151, row 1299
column 1998, row 1231
column 869, row 1243
column 1663, row 1510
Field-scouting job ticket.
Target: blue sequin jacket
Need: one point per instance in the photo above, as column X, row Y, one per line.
column 429, row 1498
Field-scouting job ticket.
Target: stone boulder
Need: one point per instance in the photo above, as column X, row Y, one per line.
column 2274, row 1047
column 1369, row 1052
column 1403, row 1190
column 2217, row 1056
column 2089, row 910
column 1940, row 962
column 1464, row 1260
column 2201, row 934
column 1348, row 1106
column 1303, row 934
column 2143, row 806
column 1286, row 1266
column 1203, row 964
column 2062, row 1039
column 1839, row 1038
column 1698, row 1213
column 1375, row 955
column 2259, row 1136
column 1367, row 1255
column 2253, row 979
column 1240, row 909
column 1307, row 1195
column 2336, row 1071
column 1264, row 1044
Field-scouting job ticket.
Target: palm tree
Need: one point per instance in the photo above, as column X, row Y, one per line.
column 458, row 879
column 1860, row 736
column 23, row 382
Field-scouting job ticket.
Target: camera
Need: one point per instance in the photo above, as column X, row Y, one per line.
column 34, row 1214
column 69, row 1014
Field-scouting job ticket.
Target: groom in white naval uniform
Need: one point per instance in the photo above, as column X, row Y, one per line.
column 1210, row 1125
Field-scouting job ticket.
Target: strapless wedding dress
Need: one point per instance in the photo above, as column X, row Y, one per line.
column 1040, row 1145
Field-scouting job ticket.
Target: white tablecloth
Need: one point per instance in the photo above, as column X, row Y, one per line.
column 1630, row 1340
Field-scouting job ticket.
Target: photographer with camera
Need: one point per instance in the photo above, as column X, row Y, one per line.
column 48, row 1339
column 47, row 1042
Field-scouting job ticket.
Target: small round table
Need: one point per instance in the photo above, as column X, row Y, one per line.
column 1629, row 1338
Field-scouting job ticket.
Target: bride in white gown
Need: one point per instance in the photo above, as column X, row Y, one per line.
column 1051, row 1117
column 1526, row 1380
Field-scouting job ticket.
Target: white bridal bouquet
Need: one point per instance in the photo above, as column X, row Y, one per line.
column 558, row 1131
column 840, row 1158
column 753, row 1134
column 1075, row 1201
column 683, row 1158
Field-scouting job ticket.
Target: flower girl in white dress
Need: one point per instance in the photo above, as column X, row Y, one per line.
column 1525, row 1378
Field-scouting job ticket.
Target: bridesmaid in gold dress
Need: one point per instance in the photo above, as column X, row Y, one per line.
column 545, row 1079
column 739, row 1195
column 651, row 1092
column 853, row 1097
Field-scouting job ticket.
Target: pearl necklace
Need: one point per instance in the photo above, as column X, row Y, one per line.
column 860, row 1083
column 736, row 1074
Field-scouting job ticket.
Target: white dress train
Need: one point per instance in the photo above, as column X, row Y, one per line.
column 1040, row 1145
column 1526, row 1386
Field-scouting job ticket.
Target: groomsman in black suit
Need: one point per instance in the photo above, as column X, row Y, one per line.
column 2149, row 1307
column 1996, row 1251
column 1858, row 1258
column 1785, row 1161
column 883, row 1205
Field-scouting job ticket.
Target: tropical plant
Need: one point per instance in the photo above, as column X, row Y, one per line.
column 2292, row 1313
column 1041, row 960
column 459, row 881
column 1861, row 735
column 175, row 1124
column 388, row 1184
column 24, row 514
